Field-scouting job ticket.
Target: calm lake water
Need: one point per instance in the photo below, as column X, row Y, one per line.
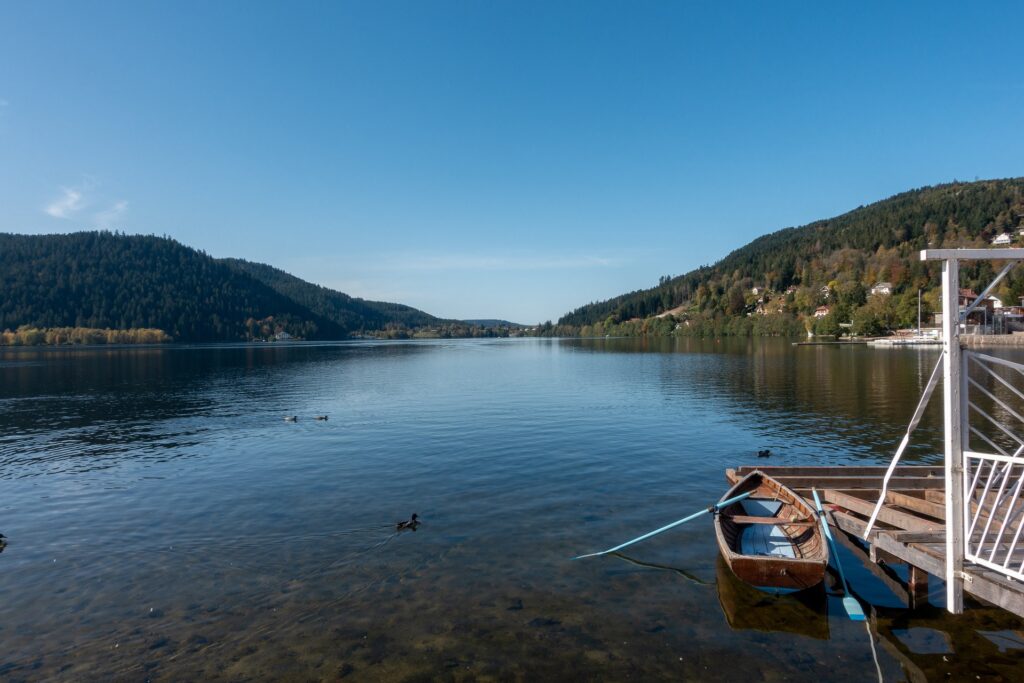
column 165, row 522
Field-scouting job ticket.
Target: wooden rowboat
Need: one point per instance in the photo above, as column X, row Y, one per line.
column 773, row 538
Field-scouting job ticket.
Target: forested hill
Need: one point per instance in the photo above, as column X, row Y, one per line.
column 349, row 312
column 107, row 280
column 785, row 275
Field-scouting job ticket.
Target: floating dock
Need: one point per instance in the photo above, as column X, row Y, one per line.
column 910, row 526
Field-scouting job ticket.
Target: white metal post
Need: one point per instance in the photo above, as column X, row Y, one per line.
column 952, row 372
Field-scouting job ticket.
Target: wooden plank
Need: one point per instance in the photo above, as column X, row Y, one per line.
column 936, row 550
column 876, row 554
column 984, row 584
column 935, row 496
column 996, row 589
column 918, row 536
column 777, row 521
column 908, row 554
column 844, row 471
column 870, row 483
column 903, row 520
column 916, row 504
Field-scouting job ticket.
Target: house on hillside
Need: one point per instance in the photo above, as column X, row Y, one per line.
column 982, row 312
column 822, row 311
column 755, row 290
column 825, row 292
column 1002, row 239
column 282, row 336
column 881, row 288
column 967, row 297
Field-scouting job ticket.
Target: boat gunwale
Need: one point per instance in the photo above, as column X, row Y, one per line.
column 796, row 500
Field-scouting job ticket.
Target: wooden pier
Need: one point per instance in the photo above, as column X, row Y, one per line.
column 910, row 528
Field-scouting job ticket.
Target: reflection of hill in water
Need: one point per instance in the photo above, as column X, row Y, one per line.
column 102, row 406
column 861, row 395
column 746, row 608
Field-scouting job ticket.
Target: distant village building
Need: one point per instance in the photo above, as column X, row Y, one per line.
column 790, row 290
column 967, row 297
column 881, row 288
column 821, row 311
column 826, row 292
column 982, row 312
column 1001, row 239
column 755, row 290
column 282, row 336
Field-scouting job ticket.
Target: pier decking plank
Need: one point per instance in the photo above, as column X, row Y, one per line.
column 916, row 504
column 777, row 471
column 889, row 515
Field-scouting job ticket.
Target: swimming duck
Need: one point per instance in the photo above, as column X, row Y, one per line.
column 291, row 418
column 410, row 523
column 764, row 454
column 321, row 417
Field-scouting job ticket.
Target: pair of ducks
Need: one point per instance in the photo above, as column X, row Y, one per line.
column 295, row 418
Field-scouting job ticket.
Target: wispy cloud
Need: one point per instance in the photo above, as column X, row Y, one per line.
column 109, row 216
column 68, row 204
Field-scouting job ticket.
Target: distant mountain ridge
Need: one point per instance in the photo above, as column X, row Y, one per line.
column 491, row 322
column 350, row 312
column 109, row 280
column 793, row 272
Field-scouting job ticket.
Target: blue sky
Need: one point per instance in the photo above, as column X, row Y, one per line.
column 492, row 159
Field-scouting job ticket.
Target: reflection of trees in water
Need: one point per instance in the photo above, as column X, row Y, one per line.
column 85, row 409
column 860, row 395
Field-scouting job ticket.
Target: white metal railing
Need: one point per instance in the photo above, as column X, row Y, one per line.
column 983, row 485
column 994, row 472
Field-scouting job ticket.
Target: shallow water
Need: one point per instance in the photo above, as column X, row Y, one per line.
column 165, row 522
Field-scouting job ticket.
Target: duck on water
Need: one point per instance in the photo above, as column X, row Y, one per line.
column 410, row 523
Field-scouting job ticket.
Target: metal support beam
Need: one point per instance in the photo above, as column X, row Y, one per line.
column 953, row 410
column 972, row 254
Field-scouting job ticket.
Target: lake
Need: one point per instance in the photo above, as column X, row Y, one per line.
column 165, row 522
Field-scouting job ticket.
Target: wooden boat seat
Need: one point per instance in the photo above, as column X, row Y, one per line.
column 779, row 521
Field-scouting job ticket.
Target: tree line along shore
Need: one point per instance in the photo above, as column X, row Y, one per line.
column 60, row 336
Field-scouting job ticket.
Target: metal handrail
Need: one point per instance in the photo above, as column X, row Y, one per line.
column 918, row 414
column 1000, row 505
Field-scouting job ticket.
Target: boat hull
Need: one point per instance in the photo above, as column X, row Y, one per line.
column 795, row 555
